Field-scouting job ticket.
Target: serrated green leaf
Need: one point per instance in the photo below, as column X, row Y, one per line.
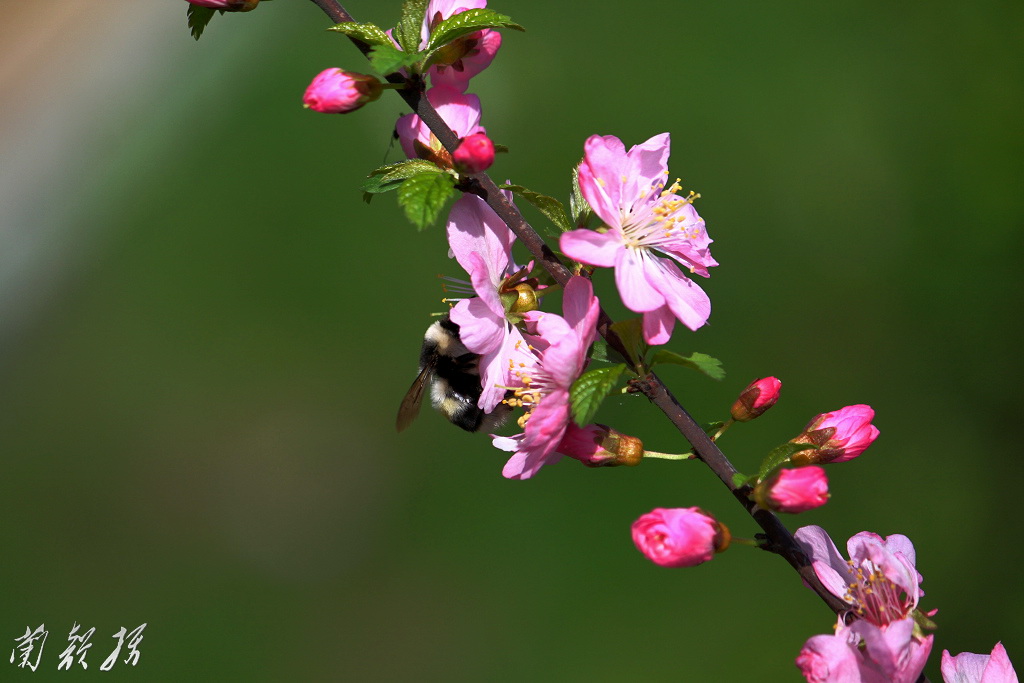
column 464, row 23
column 549, row 206
column 390, row 177
column 631, row 333
column 371, row 34
column 779, row 456
column 423, row 196
column 409, row 28
column 198, row 18
column 387, row 59
column 590, row 389
column 701, row 362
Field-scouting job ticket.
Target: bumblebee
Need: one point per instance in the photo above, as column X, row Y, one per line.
column 453, row 373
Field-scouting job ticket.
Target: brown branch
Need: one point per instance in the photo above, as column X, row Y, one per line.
column 779, row 539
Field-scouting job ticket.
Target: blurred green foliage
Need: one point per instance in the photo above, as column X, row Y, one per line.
column 198, row 422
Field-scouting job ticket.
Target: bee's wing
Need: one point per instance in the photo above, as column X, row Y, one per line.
column 410, row 407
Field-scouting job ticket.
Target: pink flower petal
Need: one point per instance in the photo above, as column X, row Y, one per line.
column 829, row 566
column 474, row 227
column 688, row 301
column 632, row 267
column 479, row 329
column 592, row 247
column 658, row 325
column 644, row 170
column 580, row 308
column 600, row 174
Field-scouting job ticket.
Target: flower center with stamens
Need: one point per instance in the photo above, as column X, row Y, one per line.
column 663, row 222
column 531, row 386
column 874, row 597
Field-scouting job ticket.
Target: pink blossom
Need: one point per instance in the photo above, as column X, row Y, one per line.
column 474, row 154
column 460, row 112
column 464, row 57
column 227, row 5
column 794, row 491
column 840, row 435
column 651, row 231
column 968, row 667
column 544, row 379
column 759, row 396
column 679, row 537
column 834, row 659
column 600, row 446
column 882, row 588
column 482, row 244
column 335, row 91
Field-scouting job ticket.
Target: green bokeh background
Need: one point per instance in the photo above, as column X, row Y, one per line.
column 197, row 397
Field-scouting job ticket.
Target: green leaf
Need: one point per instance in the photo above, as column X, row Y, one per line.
column 371, row 34
column 409, row 27
column 464, row 23
column 549, row 206
column 701, row 362
column 387, row 59
column 578, row 206
column 630, row 331
column 423, row 196
column 590, row 389
column 387, row 178
column 739, row 479
column 198, row 18
column 779, row 456
column 602, row 352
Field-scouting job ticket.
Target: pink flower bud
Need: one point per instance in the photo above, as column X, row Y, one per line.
column 601, row 446
column 227, row 5
column 759, row 396
column 840, row 436
column 793, row 491
column 335, row 91
column 474, row 154
column 679, row 537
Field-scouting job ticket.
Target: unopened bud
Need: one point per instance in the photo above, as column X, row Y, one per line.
column 227, row 5
column 759, row 396
column 474, row 154
column 335, row 91
column 679, row 537
column 600, row 446
column 793, row 491
column 839, row 436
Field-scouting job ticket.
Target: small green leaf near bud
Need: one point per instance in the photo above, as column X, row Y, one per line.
column 701, row 362
column 589, row 391
column 578, row 206
column 423, row 196
column 371, row 34
column 779, row 456
column 739, row 480
column 549, row 206
column 390, row 177
column 407, row 32
column 387, row 59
